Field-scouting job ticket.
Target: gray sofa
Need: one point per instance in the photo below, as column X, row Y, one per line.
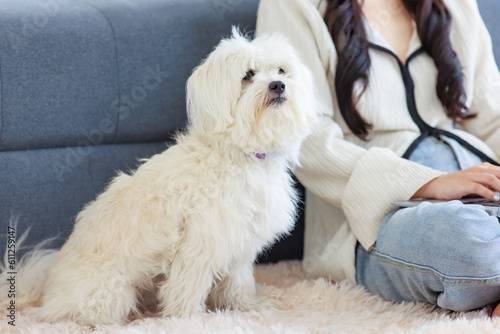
column 88, row 87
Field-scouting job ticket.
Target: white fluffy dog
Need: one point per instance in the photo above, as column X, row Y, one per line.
column 190, row 221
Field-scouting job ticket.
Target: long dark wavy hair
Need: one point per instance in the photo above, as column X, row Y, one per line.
column 433, row 21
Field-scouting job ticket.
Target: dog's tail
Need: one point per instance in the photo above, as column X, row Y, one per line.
column 22, row 280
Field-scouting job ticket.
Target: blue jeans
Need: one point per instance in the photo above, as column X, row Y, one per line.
column 446, row 254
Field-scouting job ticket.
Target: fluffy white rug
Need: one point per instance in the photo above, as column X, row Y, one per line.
column 308, row 306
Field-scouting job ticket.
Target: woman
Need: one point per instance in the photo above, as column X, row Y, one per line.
column 410, row 110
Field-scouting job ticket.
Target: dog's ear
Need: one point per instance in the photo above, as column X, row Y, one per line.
column 209, row 104
column 214, row 88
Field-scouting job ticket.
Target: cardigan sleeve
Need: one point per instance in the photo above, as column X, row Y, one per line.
column 481, row 74
column 361, row 182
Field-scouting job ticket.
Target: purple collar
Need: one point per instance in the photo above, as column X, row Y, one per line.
column 261, row 156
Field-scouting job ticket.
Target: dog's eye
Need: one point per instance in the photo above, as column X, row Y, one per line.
column 280, row 71
column 249, row 75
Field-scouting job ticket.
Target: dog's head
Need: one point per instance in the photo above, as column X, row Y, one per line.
column 257, row 94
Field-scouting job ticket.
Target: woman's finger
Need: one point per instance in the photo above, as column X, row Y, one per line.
column 484, row 191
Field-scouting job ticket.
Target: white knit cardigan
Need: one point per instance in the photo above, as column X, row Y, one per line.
column 351, row 183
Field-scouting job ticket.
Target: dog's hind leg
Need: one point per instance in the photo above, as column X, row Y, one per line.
column 89, row 299
column 112, row 302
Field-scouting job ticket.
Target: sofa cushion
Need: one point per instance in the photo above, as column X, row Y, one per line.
column 58, row 74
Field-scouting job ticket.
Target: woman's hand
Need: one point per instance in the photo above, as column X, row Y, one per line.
column 482, row 180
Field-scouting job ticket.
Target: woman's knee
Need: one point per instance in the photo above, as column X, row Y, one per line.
column 452, row 237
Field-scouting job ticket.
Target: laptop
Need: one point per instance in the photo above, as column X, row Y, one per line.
column 491, row 207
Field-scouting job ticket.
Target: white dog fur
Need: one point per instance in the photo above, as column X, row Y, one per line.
column 190, row 221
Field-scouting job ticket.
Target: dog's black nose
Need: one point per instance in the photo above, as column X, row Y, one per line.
column 277, row 87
